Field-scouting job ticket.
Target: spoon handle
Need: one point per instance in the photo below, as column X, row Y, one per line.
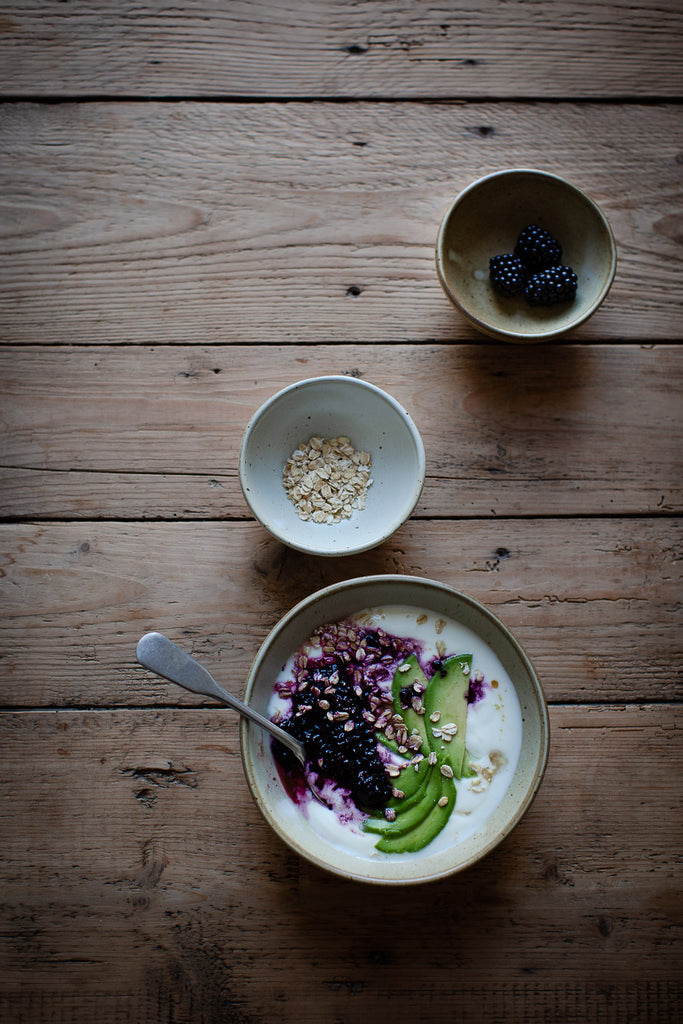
column 159, row 654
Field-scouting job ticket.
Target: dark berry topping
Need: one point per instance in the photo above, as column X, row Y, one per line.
column 336, row 700
column 507, row 274
column 537, row 249
column 330, row 712
column 405, row 696
column 548, row 287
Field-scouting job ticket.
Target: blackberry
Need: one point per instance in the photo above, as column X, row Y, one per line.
column 548, row 287
column 405, row 696
column 537, row 249
column 507, row 274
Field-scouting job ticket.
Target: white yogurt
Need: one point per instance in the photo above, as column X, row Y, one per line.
column 493, row 739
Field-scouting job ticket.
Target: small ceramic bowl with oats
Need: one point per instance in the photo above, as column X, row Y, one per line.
column 332, row 465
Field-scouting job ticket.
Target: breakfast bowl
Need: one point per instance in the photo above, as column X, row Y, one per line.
column 458, row 794
column 332, row 465
column 486, row 219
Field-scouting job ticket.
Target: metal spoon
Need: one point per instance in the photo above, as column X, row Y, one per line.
column 159, row 654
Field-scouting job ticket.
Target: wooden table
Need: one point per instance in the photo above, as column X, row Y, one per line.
column 205, row 202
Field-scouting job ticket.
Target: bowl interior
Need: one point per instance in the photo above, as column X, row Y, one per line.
column 486, row 219
column 340, row 601
column 332, row 407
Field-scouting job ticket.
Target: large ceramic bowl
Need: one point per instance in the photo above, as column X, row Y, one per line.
column 485, row 220
column 307, row 834
column 332, row 407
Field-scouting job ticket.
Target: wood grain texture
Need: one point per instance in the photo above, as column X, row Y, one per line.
column 134, row 887
column 282, row 223
column 596, row 603
column 137, row 432
column 244, row 194
column 342, row 48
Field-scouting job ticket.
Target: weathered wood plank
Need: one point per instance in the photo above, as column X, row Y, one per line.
column 342, row 48
column 595, row 602
column 135, row 432
column 137, row 875
column 276, row 223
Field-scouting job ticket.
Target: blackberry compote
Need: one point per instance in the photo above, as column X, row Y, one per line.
column 334, row 709
column 327, row 716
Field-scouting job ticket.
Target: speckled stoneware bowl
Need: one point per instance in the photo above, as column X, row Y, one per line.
column 288, row 820
column 486, row 219
column 329, row 407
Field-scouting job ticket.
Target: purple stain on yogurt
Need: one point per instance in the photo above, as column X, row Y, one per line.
column 477, row 690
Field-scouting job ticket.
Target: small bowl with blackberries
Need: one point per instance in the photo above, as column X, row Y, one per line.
column 525, row 256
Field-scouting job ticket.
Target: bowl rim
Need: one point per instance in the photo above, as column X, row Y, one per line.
column 359, row 583
column 521, row 336
column 388, row 529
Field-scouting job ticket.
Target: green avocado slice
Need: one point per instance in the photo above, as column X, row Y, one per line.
column 424, row 831
column 446, row 700
column 414, row 674
column 413, row 791
column 410, row 781
column 420, row 805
